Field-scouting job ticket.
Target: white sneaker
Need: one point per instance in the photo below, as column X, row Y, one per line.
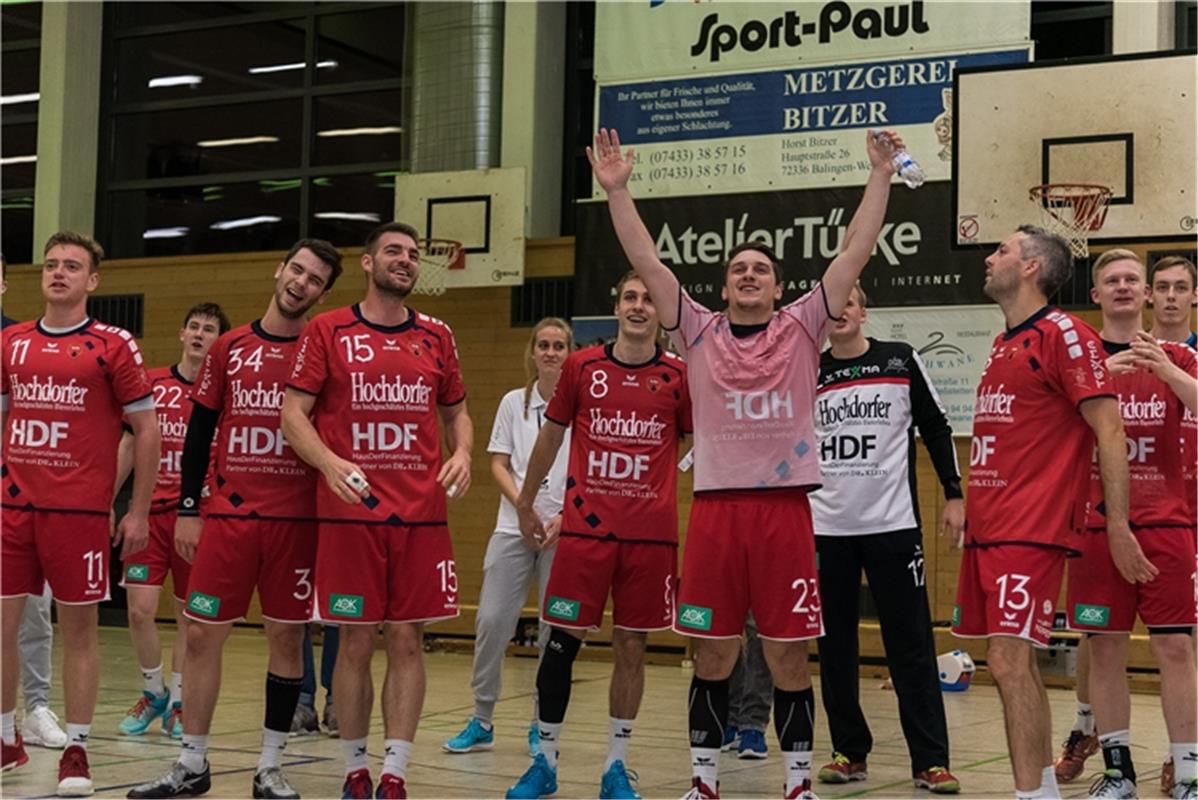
column 41, row 728
column 1112, row 784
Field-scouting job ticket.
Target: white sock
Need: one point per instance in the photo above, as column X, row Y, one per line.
column 1034, row 794
column 176, row 688
column 396, row 753
column 354, row 751
column 77, row 735
column 549, row 734
column 1185, row 761
column 8, row 726
column 705, row 764
column 486, row 723
column 152, row 680
column 619, row 733
column 1048, row 783
column 194, row 753
column 797, row 764
column 1084, row 721
column 1115, row 738
column 273, row 743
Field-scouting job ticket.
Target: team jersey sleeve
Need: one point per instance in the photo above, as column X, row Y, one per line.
column 930, row 418
column 811, row 311
column 127, row 371
column 502, row 439
column 310, row 367
column 564, row 401
column 1077, row 365
column 1187, row 361
column 693, row 318
column 209, row 390
column 452, row 390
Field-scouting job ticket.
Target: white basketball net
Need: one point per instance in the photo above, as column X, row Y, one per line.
column 436, row 258
column 1072, row 211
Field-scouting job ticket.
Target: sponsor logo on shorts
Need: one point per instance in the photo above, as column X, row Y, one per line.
column 137, row 572
column 203, row 604
column 346, row 605
column 694, row 617
column 956, row 616
column 1094, row 616
column 561, row 608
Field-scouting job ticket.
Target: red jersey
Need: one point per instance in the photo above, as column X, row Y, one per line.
column 377, row 390
column 171, row 393
column 1030, row 454
column 256, row 473
column 1152, row 420
column 65, row 394
column 626, row 420
column 1189, row 464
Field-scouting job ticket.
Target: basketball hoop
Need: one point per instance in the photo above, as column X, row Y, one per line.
column 1072, row 210
column 437, row 258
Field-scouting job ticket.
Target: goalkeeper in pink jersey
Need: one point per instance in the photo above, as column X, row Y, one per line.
column 752, row 373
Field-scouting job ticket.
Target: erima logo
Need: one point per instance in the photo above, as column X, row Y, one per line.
column 203, row 604
column 1095, row 616
column 137, row 572
column 346, row 605
column 562, row 608
column 695, row 617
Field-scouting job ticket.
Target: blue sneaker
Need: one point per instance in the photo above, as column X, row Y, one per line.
column 617, row 783
column 172, row 722
column 538, row 781
column 534, row 740
column 144, row 712
column 731, row 738
column 752, row 744
column 473, row 737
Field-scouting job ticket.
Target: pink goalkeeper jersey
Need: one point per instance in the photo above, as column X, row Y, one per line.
column 754, row 397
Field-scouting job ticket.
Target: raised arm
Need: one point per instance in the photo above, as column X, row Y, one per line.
column 861, row 236
column 612, row 170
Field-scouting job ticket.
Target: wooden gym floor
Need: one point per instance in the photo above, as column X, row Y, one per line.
column 658, row 751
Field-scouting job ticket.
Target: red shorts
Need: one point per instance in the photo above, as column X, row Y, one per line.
column 369, row 574
column 750, row 550
column 150, row 566
column 640, row 576
column 1101, row 601
column 235, row 555
column 69, row 550
column 1008, row 590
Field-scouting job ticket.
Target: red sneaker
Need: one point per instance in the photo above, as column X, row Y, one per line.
column 701, row 791
column 13, row 755
column 357, row 785
column 1072, row 761
column 391, row 787
column 74, row 777
column 938, row 780
column 841, row 770
column 801, row 792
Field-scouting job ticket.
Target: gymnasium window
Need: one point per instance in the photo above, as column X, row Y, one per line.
column 232, row 127
column 20, row 61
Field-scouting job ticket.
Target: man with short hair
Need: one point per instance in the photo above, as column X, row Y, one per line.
column 369, row 383
column 258, row 527
column 626, row 405
column 144, row 575
column 1172, row 294
column 1043, row 399
column 1156, row 385
column 872, row 397
column 752, row 375
column 67, row 380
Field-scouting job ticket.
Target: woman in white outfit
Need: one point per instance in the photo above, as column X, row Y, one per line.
column 511, row 563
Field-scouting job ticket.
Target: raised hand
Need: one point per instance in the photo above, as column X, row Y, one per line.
column 880, row 153
column 611, row 169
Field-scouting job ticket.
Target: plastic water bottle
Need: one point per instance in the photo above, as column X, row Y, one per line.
column 905, row 166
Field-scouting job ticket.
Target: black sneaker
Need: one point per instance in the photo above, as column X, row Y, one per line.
column 272, row 783
column 178, row 781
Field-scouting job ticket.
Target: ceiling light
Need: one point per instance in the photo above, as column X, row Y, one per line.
column 360, row 131
column 165, row 233
column 356, row 216
column 234, row 142
column 166, row 81
column 244, row 222
column 17, row 160
column 13, row 99
column 329, row 64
